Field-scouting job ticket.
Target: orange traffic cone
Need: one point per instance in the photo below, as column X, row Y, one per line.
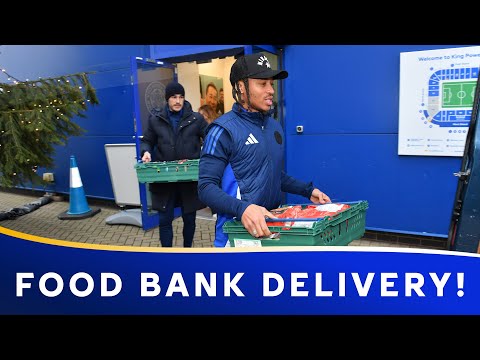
column 78, row 202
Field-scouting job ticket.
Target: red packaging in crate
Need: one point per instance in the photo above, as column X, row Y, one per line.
column 303, row 212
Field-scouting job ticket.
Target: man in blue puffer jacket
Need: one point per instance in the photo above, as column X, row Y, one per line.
column 241, row 165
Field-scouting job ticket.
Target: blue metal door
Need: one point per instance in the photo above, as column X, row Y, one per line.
column 149, row 79
column 464, row 231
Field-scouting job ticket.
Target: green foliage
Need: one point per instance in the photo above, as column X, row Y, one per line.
column 35, row 116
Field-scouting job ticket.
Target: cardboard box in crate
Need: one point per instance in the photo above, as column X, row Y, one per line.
column 167, row 171
column 337, row 230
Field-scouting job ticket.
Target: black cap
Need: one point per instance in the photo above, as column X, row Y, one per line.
column 172, row 89
column 254, row 66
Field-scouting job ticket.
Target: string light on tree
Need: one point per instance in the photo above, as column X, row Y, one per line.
column 35, row 117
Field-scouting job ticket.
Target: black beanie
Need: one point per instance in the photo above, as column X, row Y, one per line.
column 172, row 89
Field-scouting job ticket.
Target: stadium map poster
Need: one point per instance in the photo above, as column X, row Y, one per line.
column 437, row 90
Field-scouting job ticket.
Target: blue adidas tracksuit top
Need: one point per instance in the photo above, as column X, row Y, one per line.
column 242, row 164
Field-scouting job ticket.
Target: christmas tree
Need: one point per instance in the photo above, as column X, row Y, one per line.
column 35, row 116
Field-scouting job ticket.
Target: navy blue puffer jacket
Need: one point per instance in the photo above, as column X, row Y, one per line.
column 164, row 144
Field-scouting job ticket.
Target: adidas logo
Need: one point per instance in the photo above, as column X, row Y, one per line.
column 251, row 140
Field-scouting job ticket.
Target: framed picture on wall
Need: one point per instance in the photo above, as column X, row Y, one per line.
column 210, row 87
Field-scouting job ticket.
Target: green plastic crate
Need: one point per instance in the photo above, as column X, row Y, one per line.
column 167, row 171
column 337, row 230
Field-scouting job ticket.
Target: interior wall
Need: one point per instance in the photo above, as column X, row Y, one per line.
column 227, row 87
column 188, row 76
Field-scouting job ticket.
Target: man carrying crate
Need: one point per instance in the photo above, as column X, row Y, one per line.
column 176, row 133
column 241, row 165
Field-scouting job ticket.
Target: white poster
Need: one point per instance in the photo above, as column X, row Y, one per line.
column 437, row 89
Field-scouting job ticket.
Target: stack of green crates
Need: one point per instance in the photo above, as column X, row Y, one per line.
column 167, row 171
column 340, row 229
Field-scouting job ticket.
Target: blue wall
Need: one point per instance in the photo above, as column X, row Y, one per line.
column 175, row 51
column 109, row 122
column 347, row 99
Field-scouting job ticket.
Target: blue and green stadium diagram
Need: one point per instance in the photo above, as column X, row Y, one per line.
column 450, row 98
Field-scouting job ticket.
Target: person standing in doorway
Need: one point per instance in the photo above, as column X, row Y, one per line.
column 207, row 113
column 220, row 105
column 176, row 133
column 241, row 165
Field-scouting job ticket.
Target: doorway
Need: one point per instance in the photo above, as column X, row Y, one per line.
column 196, row 74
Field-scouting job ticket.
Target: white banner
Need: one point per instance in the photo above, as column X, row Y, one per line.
column 437, row 89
